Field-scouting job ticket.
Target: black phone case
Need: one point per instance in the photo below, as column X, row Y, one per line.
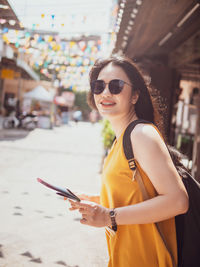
column 60, row 191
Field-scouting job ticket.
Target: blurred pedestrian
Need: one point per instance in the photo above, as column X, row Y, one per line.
column 77, row 115
column 119, row 92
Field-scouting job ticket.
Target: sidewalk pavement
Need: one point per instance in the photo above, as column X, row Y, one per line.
column 36, row 227
column 11, row 134
column 1, row 122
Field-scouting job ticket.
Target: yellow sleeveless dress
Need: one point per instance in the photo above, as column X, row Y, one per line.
column 133, row 245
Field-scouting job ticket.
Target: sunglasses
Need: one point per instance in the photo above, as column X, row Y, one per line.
column 115, row 86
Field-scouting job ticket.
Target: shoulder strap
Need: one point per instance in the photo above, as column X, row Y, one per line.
column 128, row 151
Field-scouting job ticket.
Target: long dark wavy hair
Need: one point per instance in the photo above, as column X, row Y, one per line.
column 146, row 107
column 148, row 103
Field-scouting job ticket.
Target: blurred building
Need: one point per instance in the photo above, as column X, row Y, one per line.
column 16, row 76
column 163, row 37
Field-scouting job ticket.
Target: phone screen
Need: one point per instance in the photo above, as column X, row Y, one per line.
column 60, row 191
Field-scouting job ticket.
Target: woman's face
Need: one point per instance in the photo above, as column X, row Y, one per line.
column 108, row 104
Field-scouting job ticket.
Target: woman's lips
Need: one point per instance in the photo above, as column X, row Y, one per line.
column 107, row 103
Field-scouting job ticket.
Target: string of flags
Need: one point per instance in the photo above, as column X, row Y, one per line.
column 67, row 61
column 55, row 58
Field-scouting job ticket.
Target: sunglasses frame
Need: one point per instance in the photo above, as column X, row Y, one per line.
column 112, row 91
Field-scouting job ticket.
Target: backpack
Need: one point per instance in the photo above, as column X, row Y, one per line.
column 188, row 224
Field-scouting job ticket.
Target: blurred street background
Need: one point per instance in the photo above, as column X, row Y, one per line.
column 36, row 225
column 47, row 129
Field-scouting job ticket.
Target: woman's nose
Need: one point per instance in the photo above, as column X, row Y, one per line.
column 106, row 91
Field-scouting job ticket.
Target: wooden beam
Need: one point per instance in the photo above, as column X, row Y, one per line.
column 155, row 19
column 187, row 53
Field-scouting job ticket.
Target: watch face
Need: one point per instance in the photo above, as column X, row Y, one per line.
column 112, row 213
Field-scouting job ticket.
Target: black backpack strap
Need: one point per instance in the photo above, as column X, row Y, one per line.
column 128, row 151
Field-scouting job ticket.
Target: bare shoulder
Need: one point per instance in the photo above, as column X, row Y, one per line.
column 146, row 138
column 144, row 132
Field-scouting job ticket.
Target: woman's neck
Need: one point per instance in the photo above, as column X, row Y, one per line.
column 119, row 124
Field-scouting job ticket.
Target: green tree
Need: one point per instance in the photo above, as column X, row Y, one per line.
column 107, row 134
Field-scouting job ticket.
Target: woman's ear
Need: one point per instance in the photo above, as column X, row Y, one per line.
column 135, row 97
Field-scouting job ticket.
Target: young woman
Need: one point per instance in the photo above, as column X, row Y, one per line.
column 120, row 94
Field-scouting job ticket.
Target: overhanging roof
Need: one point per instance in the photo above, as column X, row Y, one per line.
column 19, row 66
column 23, row 65
column 9, row 14
column 159, row 27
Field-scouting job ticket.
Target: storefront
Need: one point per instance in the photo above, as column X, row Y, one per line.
column 164, row 40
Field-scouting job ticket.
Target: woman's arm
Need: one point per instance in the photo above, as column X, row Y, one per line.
column 152, row 154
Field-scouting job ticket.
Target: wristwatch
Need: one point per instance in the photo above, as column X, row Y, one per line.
column 112, row 214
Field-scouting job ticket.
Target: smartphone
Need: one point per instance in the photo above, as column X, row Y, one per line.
column 60, row 191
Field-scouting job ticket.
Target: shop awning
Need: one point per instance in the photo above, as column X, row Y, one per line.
column 40, row 94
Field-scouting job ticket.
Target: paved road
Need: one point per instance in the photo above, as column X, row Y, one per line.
column 36, row 228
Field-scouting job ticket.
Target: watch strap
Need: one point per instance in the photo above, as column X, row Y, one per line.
column 112, row 214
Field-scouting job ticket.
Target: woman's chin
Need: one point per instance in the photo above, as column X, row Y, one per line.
column 107, row 113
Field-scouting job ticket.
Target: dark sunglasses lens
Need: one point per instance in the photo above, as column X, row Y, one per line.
column 97, row 87
column 116, row 86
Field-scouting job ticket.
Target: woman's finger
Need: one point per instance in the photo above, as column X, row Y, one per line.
column 72, row 208
column 83, row 221
column 81, row 204
column 77, row 207
column 85, row 216
column 82, row 210
column 73, row 204
column 84, row 197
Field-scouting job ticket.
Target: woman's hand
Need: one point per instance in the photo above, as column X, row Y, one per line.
column 92, row 198
column 92, row 214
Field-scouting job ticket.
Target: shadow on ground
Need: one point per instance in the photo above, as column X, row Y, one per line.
column 13, row 134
